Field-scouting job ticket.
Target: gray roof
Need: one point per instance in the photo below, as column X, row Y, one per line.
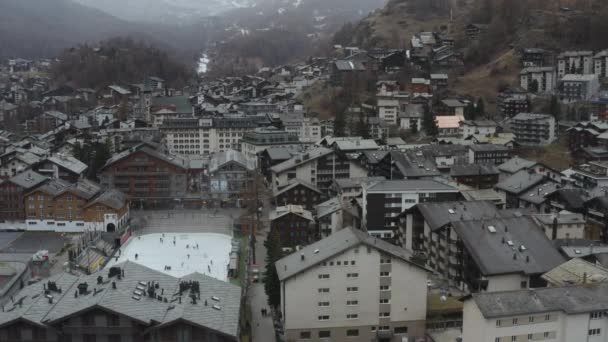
column 439, row 214
column 356, row 145
column 488, row 148
column 538, row 193
column 112, row 198
column 515, row 164
column 294, row 183
column 333, row 245
column 473, row 170
column 568, row 299
column 182, row 103
column 177, row 161
column 222, row 158
column 501, row 252
column 37, row 309
column 563, row 217
column 576, row 271
column 520, row 182
column 53, row 187
column 278, row 153
column 300, row 159
column 409, row 185
column 328, row 207
column 69, row 163
column 290, row 209
column 358, row 182
column 28, row 179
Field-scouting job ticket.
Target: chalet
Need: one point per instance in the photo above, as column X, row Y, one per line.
column 294, row 224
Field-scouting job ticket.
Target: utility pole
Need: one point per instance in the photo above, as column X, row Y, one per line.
column 257, row 217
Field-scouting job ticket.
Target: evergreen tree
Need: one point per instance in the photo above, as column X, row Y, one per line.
column 362, row 126
column 272, row 285
column 470, row 112
column 480, row 109
column 339, row 124
column 533, row 86
column 428, row 123
column 555, row 108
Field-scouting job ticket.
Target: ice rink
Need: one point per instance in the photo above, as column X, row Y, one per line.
column 183, row 253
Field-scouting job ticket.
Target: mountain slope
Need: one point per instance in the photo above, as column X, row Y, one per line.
column 42, row 28
column 165, row 11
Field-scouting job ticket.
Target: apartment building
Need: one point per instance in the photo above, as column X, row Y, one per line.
column 474, row 127
column 127, row 303
column 318, row 166
column 262, row 138
column 600, row 64
column 146, row 175
column 385, row 200
column 573, row 88
column 230, row 174
column 388, row 109
column 513, row 101
column 560, row 314
column 534, row 129
column 294, row 224
column 562, row 225
column 307, row 129
column 574, row 62
column 488, row 154
column 12, row 191
column 203, row 136
column 75, row 207
column 477, row 247
column 347, row 287
column 538, row 79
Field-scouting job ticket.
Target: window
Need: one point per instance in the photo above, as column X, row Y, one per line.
column 400, row 330
column 324, row 334
column 352, row 262
column 513, row 338
column 114, row 338
column 88, row 338
column 373, row 328
column 384, row 328
column 498, row 322
column 324, row 318
column 352, row 316
column 352, row 289
column 497, row 339
column 352, row 302
column 385, row 274
column 546, row 334
column 514, row 321
column 595, row 315
column 385, row 261
column 385, row 288
column 352, row 275
column 323, row 303
column 323, row 276
column 304, row 335
column 524, row 284
column 385, row 301
column 547, row 317
column 324, row 290
column 113, row 320
column 594, row 332
column 338, row 263
column 531, row 319
column 530, row 336
column 385, row 314
column 352, row 332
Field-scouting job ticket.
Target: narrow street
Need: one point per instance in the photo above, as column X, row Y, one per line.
column 262, row 326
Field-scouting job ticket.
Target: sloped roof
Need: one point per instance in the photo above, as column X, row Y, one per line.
column 112, row 198
column 568, row 299
column 68, row 162
column 28, row 179
column 516, row 164
column 520, row 182
column 501, row 252
column 335, row 244
column 291, row 209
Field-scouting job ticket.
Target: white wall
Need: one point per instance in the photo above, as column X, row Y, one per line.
column 301, row 295
column 507, row 282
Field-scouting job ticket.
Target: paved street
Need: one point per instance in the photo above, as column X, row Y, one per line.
column 262, row 327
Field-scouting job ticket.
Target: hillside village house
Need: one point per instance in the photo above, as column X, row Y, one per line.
column 83, row 206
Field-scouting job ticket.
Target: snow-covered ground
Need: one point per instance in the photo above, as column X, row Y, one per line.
column 211, row 257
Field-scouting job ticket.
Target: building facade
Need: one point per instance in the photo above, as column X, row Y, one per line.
column 345, row 287
column 534, row 129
